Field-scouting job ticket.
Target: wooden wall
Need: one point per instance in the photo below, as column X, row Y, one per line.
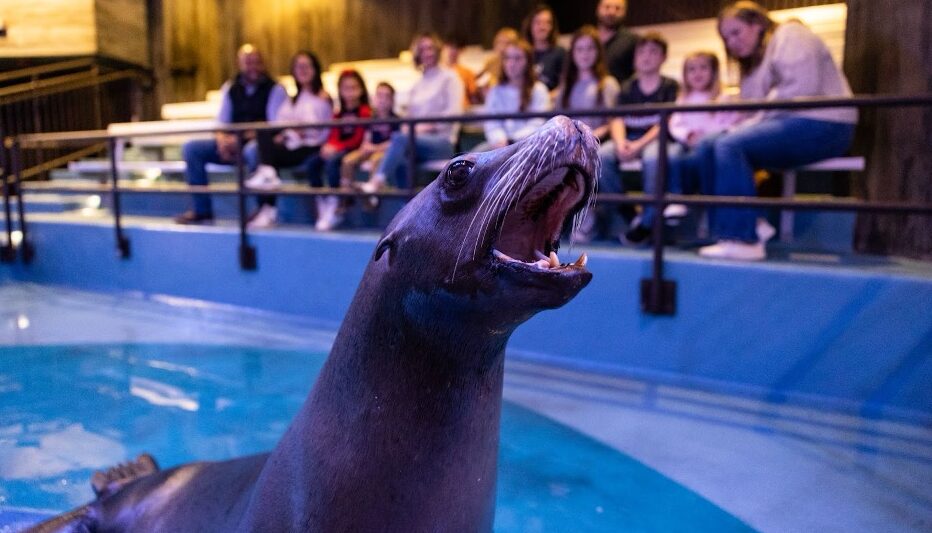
column 199, row 46
column 48, row 28
column 53, row 28
column 122, row 30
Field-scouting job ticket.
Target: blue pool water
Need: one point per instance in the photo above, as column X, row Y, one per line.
column 66, row 411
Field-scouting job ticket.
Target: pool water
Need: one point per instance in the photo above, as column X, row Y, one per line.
column 66, row 411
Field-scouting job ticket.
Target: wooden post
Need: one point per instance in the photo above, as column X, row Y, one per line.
column 888, row 51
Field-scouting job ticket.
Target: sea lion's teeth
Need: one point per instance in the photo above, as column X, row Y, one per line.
column 540, row 255
column 502, row 256
column 543, row 263
column 554, row 260
column 583, row 259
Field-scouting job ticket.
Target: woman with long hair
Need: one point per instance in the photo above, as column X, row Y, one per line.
column 516, row 91
column 776, row 62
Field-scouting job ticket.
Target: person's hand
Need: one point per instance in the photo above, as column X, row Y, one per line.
column 693, row 138
column 328, row 151
column 227, row 146
column 627, row 151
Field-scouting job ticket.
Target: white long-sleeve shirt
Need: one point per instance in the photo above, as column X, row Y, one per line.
column 308, row 108
column 797, row 63
column 701, row 123
column 505, row 98
column 439, row 92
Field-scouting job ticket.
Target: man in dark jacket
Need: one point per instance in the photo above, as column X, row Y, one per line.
column 251, row 96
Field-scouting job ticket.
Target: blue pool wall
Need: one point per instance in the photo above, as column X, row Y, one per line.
column 859, row 340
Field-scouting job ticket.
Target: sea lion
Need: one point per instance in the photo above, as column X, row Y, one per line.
column 400, row 431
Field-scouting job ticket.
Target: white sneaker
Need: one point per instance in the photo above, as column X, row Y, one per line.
column 265, row 218
column 741, row 251
column 265, row 178
column 375, row 183
column 325, row 213
column 765, row 231
column 675, row 211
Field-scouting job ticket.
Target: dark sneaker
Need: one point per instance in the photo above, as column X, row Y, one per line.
column 190, row 217
column 636, row 235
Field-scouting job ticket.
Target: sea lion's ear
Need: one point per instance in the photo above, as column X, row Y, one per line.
column 387, row 244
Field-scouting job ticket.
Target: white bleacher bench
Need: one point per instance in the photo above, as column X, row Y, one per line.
column 99, row 166
column 835, row 164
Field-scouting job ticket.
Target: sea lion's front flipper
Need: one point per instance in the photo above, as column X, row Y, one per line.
column 107, row 482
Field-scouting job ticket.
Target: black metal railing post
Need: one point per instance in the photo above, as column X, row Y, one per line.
column 7, row 251
column 26, row 250
column 658, row 296
column 247, row 252
column 123, row 249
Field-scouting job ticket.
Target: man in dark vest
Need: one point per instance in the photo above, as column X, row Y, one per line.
column 617, row 40
column 251, row 96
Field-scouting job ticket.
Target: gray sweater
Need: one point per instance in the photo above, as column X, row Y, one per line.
column 797, row 63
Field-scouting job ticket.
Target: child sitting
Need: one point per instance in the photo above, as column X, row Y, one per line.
column 701, row 85
column 376, row 139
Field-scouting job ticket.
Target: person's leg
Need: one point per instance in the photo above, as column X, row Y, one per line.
column 650, row 164
column 197, row 154
column 778, row 142
column 351, row 162
column 427, row 148
column 394, row 160
column 332, row 169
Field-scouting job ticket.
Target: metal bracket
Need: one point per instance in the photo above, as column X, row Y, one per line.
column 667, row 303
column 247, row 257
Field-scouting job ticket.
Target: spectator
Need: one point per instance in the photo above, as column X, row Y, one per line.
column 617, row 41
column 633, row 135
column 540, row 29
column 251, row 96
column 376, row 139
column 291, row 147
column 485, row 78
column 450, row 58
column 776, row 61
column 439, row 91
column 354, row 104
column 517, row 91
column 587, row 84
column 701, row 85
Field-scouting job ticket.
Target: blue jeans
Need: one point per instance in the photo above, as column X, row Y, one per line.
column 650, row 161
column 197, row 154
column 393, row 165
column 781, row 142
column 330, row 166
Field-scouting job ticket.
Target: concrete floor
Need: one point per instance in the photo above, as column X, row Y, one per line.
column 777, row 467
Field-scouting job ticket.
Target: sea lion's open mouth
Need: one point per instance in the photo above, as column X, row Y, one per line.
column 529, row 233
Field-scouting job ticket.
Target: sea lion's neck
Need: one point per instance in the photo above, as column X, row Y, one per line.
column 414, row 410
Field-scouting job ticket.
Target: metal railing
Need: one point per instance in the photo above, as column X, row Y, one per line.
column 70, row 95
column 658, row 295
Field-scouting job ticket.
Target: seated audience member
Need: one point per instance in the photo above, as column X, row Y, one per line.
column 376, row 139
column 586, row 83
column 438, row 92
column 617, row 41
column 450, row 59
column 517, row 91
column 776, row 61
column 291, row 147
column 633, row 135
column 540, row 29
column 701, row 85
column 354, row 104
column 485, row 78
column 251, row 96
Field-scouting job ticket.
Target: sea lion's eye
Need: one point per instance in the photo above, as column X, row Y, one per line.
column 457, row 174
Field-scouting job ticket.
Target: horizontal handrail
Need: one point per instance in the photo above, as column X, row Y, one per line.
column 36, row 139
column 31, row 90
column 38, row 70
